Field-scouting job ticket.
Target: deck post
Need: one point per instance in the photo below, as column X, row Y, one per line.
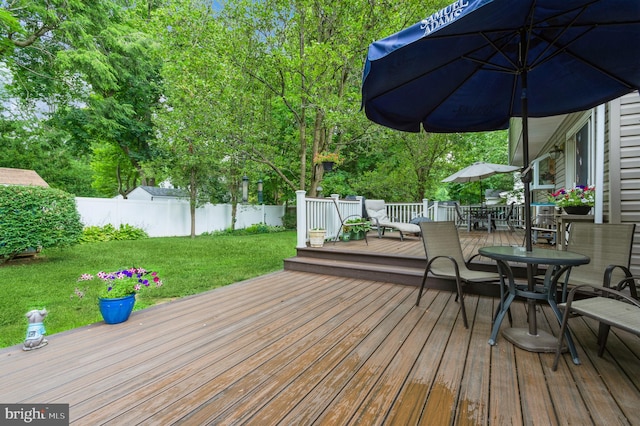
column 301, row 218
column 425, row 208
column 436, row 211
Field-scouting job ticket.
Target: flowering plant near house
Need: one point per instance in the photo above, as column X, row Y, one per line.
column 327, row 157
column 578, row 196
column 121, row 283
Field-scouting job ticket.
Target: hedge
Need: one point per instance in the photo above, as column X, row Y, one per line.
column 33, row 217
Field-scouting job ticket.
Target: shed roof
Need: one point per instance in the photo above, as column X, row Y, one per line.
column 165, row 192
column 24, row 177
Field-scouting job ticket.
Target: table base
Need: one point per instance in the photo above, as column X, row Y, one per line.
column 542, row 342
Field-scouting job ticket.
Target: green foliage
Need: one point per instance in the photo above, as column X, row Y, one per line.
column 290, row 219
column 259, row 228
column 188, row 266
column 46, row 150
column 35, row 217
column 108, row 232
column 253, row 88
column 356, row 225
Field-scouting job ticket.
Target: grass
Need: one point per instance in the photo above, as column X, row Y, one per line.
column 187, row 266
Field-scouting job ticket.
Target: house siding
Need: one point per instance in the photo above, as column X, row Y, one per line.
column 621, row 190
column 626, row 127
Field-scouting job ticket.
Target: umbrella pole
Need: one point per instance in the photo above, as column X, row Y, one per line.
column 526, row 179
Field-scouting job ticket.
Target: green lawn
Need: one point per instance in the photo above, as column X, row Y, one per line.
column 187, row 266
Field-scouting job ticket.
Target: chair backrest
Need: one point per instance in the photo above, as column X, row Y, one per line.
column 441, row 239
column 459, row 211
column 605, row 244
column 376, row 209
column 511, row 211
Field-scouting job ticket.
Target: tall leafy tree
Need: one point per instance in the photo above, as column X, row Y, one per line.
column 192, row 146
column 307, row 56
column 88, row 67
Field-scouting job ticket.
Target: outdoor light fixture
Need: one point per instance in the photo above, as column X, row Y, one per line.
column 259, row 191
column 245, row 189
column 557, row 151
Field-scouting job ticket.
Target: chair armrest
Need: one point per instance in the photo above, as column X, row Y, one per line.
column 451, row 258
column 609, row 291
column 629, row 280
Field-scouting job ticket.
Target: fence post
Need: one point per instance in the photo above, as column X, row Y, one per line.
column 301, row 218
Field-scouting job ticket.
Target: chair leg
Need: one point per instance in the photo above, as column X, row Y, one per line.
column 567, row 333
column 603, row 334
column 424, row 280
column 460, row 297
column 561, row 333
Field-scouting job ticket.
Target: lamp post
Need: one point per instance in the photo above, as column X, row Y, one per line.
column 260, row 199
column 245, row 189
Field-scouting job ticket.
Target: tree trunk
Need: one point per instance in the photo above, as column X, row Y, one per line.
column 193, row 198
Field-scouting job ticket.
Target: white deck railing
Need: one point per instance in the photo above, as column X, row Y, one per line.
column 323, row 213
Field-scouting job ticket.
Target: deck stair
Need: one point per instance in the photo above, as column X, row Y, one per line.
column 390, row 259
column 398, row 269
column 406, row 270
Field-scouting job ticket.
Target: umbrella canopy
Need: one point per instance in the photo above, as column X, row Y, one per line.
column 478, row 171
column 476, row 63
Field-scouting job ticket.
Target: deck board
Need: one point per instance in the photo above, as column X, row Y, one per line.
column 302, row 348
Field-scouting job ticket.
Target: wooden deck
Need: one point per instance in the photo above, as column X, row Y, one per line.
column 302, row 348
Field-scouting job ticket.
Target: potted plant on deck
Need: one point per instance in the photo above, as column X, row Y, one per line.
column 355, row 229
column 118, row 289
column 578, row 200
column 316, row 237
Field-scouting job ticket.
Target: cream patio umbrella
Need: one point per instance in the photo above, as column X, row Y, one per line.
column 478, row 171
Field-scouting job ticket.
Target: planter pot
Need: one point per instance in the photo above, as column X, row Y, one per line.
column 577, row 209
column 115, row 311
column 327, row 165
column 357, row 235
column 316, row 237
column 346, row 236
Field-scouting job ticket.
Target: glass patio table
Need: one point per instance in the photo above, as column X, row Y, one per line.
column 531, row 338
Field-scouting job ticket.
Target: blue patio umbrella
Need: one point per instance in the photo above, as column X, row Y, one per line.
column 476, row 63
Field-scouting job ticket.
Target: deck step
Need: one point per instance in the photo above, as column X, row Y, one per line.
column 374, row 258
column 360, row 270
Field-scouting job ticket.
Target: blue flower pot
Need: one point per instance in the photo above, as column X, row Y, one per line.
column 115, row 311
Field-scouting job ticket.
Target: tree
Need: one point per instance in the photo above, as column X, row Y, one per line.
column 88, row 68
column 307, row 57
column 191, row 145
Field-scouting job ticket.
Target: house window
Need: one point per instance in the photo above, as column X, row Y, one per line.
column 582, row 156
column 579, row 153
column 544, row 172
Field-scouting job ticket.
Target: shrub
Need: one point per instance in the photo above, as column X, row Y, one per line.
column 289, row 220
column 32, row 217
column 108, row 232
column 259, row 228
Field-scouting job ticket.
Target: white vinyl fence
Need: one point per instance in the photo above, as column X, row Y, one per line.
column 167, row 218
